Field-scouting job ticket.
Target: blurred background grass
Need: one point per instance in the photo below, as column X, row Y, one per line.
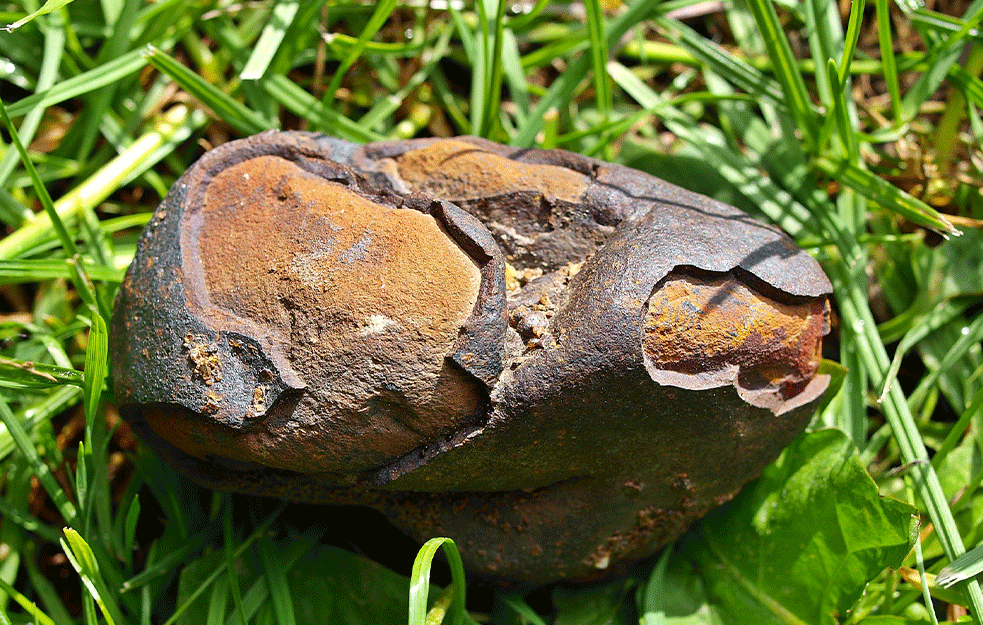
column 853, row 126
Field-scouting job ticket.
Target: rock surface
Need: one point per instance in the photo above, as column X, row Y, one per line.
column 560, row 363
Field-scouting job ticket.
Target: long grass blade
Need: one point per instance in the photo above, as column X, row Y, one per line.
column 83, row 560
column 786, row 68
column 40, row 468
column 233, row 112
column 420, row 582
column 269, row 42
column 969, row 564
column 172, row 128
column 887, row 195
column 47, row 7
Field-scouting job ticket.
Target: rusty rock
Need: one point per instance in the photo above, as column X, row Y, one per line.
column 559, row 362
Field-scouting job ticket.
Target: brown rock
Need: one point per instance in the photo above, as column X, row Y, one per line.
column 314, row 320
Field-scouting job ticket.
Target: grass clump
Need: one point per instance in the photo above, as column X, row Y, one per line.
column 854, row 127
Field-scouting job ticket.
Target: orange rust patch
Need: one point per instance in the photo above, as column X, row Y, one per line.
column 271, row 232
column 457, row 170
column 709, row 328
column 367, row 302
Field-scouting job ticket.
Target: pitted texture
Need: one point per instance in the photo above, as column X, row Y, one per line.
column 700, row 333
column 314, row 320
column 460, row 171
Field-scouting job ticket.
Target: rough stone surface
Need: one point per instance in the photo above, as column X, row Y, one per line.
column 559, row 362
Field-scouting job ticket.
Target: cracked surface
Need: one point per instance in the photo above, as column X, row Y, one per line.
column 367, row 301
column 562, row 376
column 705, row 332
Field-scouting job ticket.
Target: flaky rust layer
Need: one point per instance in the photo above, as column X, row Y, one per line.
column 456, row 170
column 367, row 301
column 272, row 233
column 718, row 330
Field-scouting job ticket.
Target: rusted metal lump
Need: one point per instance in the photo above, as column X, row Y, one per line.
column 558, row 362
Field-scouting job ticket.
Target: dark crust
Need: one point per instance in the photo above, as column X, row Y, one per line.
column 583, row 461
column 164, row 298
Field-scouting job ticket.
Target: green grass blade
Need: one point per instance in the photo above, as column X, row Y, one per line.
column 217, row 602
column 163, row 566
column 27, row 521
column 47, row 7
column 968, row 340
column 886, row 41
column 848, row 138
column 219, row 570
column 852, row 36
column 786, row 69
column 420, row 582
column 60, row 398
column 297, row 101
column 83, row 560
column 515, row 75
column 943, row 23
column 232, row 112
column 269, row 42
column 164, row 135
column 42, row 587
column 520, row 607
column 942, row 58
column 67, row 242
column 599, row 57
column 27, row 374
column 959, row 428
column 929, row 323
column 54, row 48
column 28, row 606
column 130, row 532
column 275, row 574
column 494, row 73
column 110, row 72
column 41, row 470
column 969, row 564
column 887, row 195
column 232, row 576
column 383, row 10
column 94, row 376
column 825, row 37
column 28, row 271
column 736, row 71
column 563, row 88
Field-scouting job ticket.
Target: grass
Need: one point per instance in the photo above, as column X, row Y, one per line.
column 858, row 132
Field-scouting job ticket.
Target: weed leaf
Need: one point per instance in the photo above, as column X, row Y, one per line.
column 815, row 517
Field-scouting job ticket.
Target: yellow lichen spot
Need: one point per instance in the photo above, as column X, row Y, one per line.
column 202, row 357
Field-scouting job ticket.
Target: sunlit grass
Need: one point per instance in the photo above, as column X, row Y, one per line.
column 864, row 147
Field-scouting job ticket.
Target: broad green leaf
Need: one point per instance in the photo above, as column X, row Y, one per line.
column 800, row 544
